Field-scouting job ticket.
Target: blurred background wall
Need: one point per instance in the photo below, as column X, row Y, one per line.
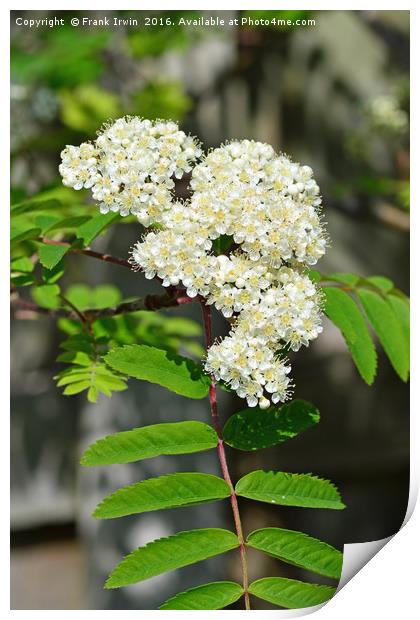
column 333, row 96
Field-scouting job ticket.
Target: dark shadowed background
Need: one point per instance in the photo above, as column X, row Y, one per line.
column 311, row 91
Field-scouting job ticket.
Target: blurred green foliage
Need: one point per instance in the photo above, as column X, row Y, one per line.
column 161, row 100
column 59, row 57
column 66, row 82
column 154, row 40
column 86, row 107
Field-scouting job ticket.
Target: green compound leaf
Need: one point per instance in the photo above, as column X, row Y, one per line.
column 176, row 373
column 50, row 254
column 93, row 227
column 253, row 429
column 149, row 441
column 215, row 595
column 290, row 593
column 287, row 489
column 388, row 329
column 171, row 491
column 166, row 554
column 86, row 370
column 88, row 374
column 343, row 311
column 298, row 549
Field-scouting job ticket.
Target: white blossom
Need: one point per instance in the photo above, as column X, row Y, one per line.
column 269, row 208
column 267, row 203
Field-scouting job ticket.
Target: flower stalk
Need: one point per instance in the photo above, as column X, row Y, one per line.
column 222, row 458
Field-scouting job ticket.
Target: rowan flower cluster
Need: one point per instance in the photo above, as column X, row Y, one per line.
column 130, row 166
column 262, row 206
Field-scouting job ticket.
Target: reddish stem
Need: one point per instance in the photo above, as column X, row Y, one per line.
column 87, row 252
column 222, row 458
column 185, row 300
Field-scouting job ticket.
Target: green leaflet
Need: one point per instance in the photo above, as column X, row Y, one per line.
column 22, row 264
column 289, row 490
column 67, row 224
column 166, row 554
column 290, row 593
column 17, row 235
column 46, row 296
column 298, row 549
column 22, row 279
column 401, row 308
column 45, row 221
column 50, row 276
column 314, row 275
column 343, row 311
column 222, row 244
column 208, row 596
column 176, row 373
column 382, row 282
column 252, row 429
column 51, row 254
column 93, row 227
column 34, row 204
column 21, row 269
column 351, row 279
column 85, row 297
column 171, row 491
column 178, row 325
column 79, row 358
column 388, row 329
column 149, row 441
column 172, row 333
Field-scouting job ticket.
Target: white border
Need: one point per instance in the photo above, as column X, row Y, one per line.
column 387, row 587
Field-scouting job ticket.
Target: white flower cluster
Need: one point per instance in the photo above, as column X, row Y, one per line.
column 385, row 114
column 267, row 207
column 264, row 201
column 131, row 165
column 261, row 207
